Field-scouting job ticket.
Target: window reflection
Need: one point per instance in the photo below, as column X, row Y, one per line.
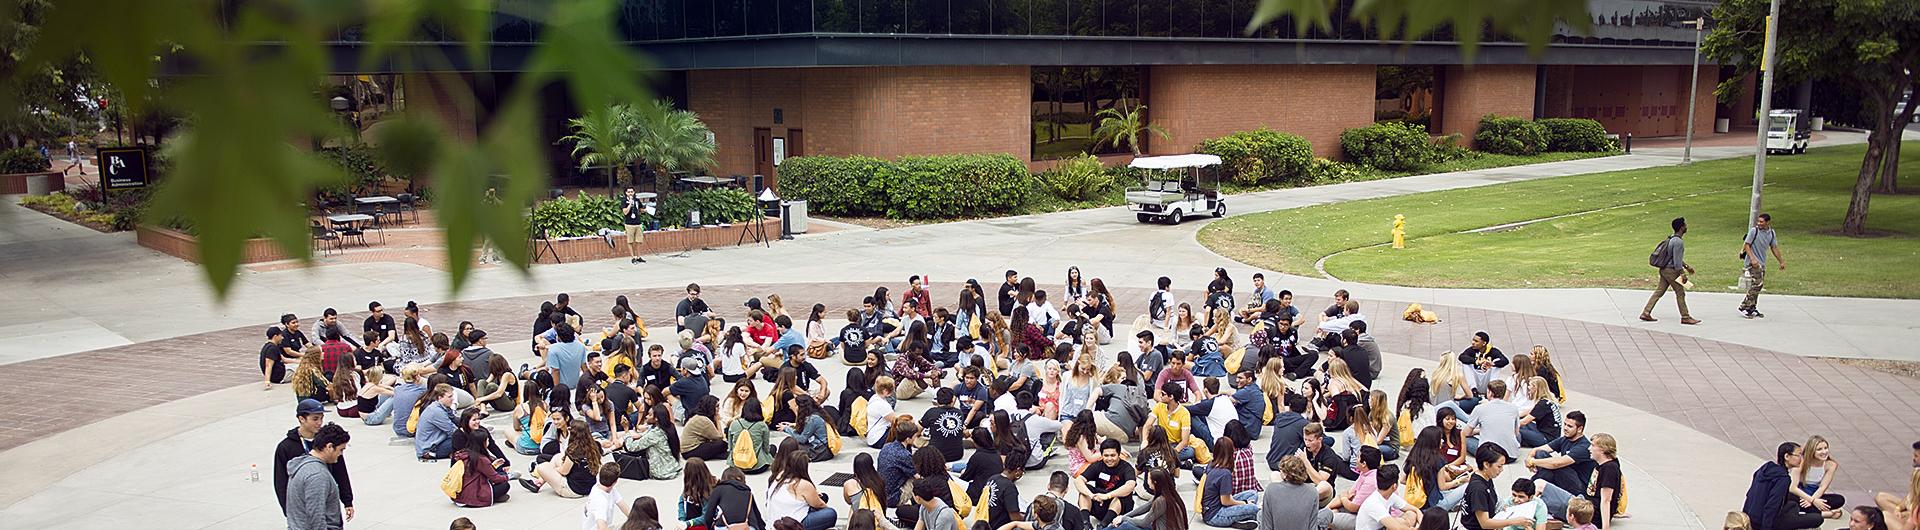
column 1066, row 100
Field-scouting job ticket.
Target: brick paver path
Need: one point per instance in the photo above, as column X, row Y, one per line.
column 1751, row 398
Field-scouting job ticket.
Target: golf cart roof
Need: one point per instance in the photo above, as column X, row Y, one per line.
column 1175, row 161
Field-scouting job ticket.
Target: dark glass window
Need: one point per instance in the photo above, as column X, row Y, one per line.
column 1405, row 94
column 836, row 16
column 934, row 16
column 1010, row 16
column 763, row 17
column 882, row 16
column 1156, row 17
column 1067, row 99
column 1122, row 18
column 729, row 18
column 796, row 16
column 1050, row 16
column 1086, row 17
column 700, row 18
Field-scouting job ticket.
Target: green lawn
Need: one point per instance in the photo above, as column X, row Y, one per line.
column 1807, row 196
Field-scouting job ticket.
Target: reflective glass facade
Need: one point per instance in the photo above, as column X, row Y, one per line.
column 1623, row 22
column 1067, row 99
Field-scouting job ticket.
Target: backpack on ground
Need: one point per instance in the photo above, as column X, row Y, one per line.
column 1415, row 491
column 1405, row 427
column 633, row 466
column 1661, row 254
column 833, row 441
column 455, row 479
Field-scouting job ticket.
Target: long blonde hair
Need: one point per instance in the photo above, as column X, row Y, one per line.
column 1379, row 412
column 1808, row 456
column 1544, row 360
column 1001, row 335
column 1605, row 444
column 1273, row 378
column 305, row 377
column 1737, row 521
column 1337, row 372
column 1537, row 388
column 1222, row 324
column 774, row 306
column 1523, row 368
column 1446, row 374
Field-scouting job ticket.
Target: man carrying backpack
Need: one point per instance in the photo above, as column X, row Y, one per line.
column 1670, row 258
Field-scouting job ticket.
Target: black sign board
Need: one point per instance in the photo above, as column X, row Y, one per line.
column 123, row 168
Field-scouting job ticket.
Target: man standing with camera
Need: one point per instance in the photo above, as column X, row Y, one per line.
column 631, row 208
column 1753, row 252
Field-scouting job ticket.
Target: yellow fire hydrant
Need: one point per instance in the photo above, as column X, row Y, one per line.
column 1399, row 231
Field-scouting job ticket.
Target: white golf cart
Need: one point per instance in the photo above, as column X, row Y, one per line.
column 1787, row 132
column 1175, row 187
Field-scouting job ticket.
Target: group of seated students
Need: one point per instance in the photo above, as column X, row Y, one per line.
column 1011, row 390
column 1793, row 492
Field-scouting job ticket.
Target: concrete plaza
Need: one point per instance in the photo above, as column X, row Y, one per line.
column 172, row 450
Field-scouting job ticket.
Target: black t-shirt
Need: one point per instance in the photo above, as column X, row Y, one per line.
column 1218, row 300
column 365, row 358
column 984, row 464
column 1605, row 476
column 687, row 307
column 945, row 427
column 1007, row 291
column 294, row 339
column 622, row 397
column 660, row 376
column 1154, row 460
column 1103, row 479
column 1480, row 498
column 807, row 375
column 1004, row 502
column 1335, row 310
column 633, row 210
column 275, row 353
column 1543, row 418
column 853, row 342
column 382, row 324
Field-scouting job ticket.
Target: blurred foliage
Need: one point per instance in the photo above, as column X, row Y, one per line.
column 247, row 102
column 1529, row 21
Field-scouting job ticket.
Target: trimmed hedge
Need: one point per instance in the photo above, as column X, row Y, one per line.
column 716, row 206
column 1506, row 135
column 1388, row 146
column 940, row 186
column 1574, row 134
column 916, row 187
column 1264, row 155
column 583, row 216
column 837, row 185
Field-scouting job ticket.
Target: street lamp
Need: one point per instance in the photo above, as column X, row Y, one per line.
column 339, row 105
column 1766, row 107
column 1693, row 87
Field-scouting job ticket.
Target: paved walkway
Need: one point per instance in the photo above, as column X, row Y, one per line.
column 66, row 289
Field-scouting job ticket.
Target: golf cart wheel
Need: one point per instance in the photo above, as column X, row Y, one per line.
column 1144, row 218
column 1176, row 217
column 1800, row 150
column 1220, row 211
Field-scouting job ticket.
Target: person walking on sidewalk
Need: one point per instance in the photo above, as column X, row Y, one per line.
column 1670, row 257
column 1759, row 242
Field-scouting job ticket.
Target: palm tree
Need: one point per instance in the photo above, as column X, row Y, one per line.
column 672, row 139
column 606, row 137
column 1123, row 128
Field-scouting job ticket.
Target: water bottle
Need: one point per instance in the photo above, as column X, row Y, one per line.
column 253, row 472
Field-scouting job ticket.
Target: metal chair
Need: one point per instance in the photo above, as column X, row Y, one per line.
column 407, row 204
column 347, row 230
column 322, row 237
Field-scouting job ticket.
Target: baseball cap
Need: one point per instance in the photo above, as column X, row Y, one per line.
column 690, row 364
column 753, row 303
column 309, row 406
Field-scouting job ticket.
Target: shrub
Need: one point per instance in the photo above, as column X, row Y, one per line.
column 1262, row 155
column 716, row 206
column 834, row 185
column 1077, row 178
column 360, row 163
column 1574, row 134
column 584, row 216
column 927, row 187
column 22, row 160
column 1507, row 135
column 1388, row 146
column 1322, row 170
column 1447, row 148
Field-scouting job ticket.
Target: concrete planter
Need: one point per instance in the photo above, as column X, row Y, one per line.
column 656, row 242
column 40, row 183
column 184, row 246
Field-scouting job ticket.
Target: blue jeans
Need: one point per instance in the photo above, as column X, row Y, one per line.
column 380, row 412
column 1530, row 436
column 1124, row 524
column 1451, row 500
column 440, row 450
column 1228, row 515
column 819, row 519
column 1555, row 498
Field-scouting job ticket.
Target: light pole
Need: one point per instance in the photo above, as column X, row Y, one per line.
column 1693, row 87
column 1766, row 106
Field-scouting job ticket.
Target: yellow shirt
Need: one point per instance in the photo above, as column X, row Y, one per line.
column 612, row 361
column 1176, row 422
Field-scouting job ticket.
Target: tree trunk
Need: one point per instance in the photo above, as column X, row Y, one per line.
column 1855, row 223
column 1890, row 164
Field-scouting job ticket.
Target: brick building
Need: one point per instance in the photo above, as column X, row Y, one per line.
column 781, row 78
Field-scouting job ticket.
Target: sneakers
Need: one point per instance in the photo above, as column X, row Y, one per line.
column 1648, row 318
column 1689, row 321
column 1246, row 525
column 529, row 485
column 1748, row 314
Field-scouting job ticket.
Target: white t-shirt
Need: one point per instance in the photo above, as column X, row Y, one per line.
column 1006, row 403
column 602, row 504
column 1040, row 314
column 1223, row 411
column 878, row 408
column 1341, row 324
column 732, row 359
column 1376, row 508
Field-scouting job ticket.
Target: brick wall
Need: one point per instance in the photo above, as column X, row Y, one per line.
column 180, row 245
column 655, row 242
column 880, row 111
column 16, row 183
column 1646, row 101
column 447, row 98
column 1317, row 102
column 1470, row 92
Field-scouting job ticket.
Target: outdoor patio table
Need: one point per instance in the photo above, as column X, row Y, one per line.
column 378, row 199
column 356, row 219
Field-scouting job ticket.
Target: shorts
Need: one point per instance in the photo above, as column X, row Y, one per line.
column 636, row 233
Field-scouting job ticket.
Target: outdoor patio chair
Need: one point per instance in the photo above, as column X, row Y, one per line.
column 347, row 230
column 407, row 204
column 324, row 237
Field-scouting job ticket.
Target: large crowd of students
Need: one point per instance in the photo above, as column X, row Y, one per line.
column 1150, row 428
